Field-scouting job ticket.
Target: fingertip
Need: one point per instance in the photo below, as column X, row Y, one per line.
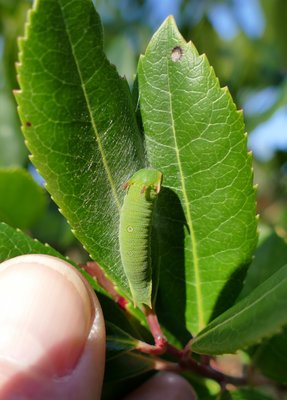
column 52, row 329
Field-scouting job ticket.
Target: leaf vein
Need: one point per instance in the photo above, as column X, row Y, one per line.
column 93, row 122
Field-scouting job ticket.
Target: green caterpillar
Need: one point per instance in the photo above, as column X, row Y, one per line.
column 135, row 232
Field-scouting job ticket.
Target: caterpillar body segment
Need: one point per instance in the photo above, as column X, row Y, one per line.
column 135, row 234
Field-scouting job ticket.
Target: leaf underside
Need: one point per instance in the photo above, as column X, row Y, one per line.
column 79, row 123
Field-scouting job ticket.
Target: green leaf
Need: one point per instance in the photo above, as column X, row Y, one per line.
column 244, row 394
column 206, row 389
column 79, row 123
column 124, row 374
column 124, row 369
column 258, row 316
column 264, row 263
column 270, row 356
column 195, row 136
column 118, row 341
column 22, row 200
column 129, row 322
column 122, row 363
column 127, row 365
column 14, row 243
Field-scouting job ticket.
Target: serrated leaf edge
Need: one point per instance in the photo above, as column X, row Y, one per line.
column 225, row 91
column 31, row 13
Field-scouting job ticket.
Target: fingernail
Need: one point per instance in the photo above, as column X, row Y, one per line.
column 45, row 315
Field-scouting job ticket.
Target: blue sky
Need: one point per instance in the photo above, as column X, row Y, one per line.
column 270, row 136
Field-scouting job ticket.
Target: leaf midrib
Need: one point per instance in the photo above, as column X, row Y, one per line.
column 93, row 122
column 194, row 252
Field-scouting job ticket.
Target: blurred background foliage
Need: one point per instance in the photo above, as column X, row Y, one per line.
column 245, row 41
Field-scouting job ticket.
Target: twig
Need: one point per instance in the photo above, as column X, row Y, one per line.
column 95, row 270
column 152, row 320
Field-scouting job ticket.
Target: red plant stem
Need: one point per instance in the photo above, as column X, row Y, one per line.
column 205, row 360
column 152, row 320
column 201, row 370
column 144, row 347
column 185, row 362
column 173, row 351
column 95, row 270
column 209, row 372
column 188, row 364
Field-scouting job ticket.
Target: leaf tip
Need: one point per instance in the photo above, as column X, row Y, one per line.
column 170, row 20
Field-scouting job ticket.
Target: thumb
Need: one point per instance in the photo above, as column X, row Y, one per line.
column 52, row 342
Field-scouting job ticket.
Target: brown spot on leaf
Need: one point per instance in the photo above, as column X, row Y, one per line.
column 28, row 123
column 176, row 53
